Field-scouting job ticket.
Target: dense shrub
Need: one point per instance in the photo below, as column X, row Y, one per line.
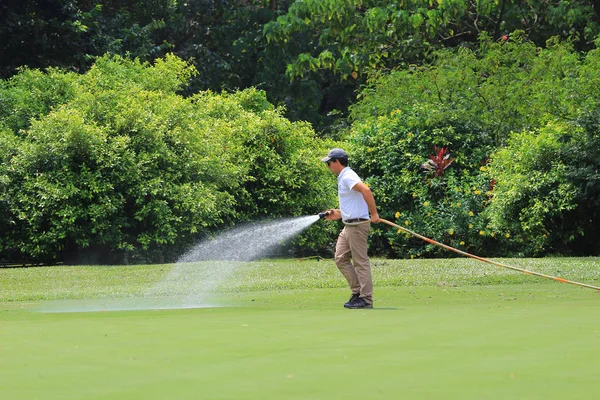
column 391, row 150
column 471, row 102
column 126, row 169
column 32, row 94
column 548, row 192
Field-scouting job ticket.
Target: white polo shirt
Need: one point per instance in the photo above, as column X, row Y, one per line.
column 352, row 203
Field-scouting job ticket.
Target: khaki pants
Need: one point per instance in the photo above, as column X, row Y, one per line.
column 353, row 244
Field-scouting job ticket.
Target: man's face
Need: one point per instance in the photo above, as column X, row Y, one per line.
column 335, row 166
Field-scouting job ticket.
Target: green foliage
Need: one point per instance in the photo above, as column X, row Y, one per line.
column 492, row 89
column 391, row 150
column 329, row 48
column 128, row 168
column 31, row 94
column 471, row 102
column 367, row 36
column 124, row 27
column 9, row 143
column 353, row 41
column 57, row 193
column 72, row 33
column 503, row 70
column 546, row 197
column 553, row 173
column 284, row 175
column 222, row 39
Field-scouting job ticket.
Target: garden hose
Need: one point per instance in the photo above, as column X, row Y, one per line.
column 464, row 253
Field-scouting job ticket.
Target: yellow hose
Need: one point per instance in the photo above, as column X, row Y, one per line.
column 464, row 253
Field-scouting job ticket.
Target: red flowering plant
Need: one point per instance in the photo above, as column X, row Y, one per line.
column 438, row 162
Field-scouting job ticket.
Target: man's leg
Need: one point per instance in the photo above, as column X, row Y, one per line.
column 357, row 238
column 342, row 260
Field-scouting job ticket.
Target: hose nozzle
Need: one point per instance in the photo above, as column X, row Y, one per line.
column 323, row 214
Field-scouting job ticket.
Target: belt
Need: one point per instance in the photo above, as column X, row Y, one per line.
column 353, row 220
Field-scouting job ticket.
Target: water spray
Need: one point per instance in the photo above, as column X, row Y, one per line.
column 207, row 269
column 464, row 253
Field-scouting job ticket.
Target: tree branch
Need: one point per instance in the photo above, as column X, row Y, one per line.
column 499, row 20
column 596, row 7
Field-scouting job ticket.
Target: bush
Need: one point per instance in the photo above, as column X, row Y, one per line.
column 128, row 170
column 391, row 151
column 32, row 94
column 471, row 102
column 548, row 190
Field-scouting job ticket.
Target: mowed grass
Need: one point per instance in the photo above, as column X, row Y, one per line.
column 441, row 329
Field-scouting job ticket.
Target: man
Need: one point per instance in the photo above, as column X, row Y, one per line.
column 356, row 201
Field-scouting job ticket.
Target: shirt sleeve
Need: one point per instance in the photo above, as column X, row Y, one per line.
column 351, row 179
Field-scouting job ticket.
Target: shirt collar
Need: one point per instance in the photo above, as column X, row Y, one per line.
column 342, row 172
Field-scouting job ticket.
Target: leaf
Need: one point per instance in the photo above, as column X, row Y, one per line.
column 438, row 162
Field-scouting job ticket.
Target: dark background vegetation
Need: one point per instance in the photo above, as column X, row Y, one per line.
column 131, row 129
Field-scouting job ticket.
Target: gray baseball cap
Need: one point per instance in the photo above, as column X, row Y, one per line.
column 335, row 153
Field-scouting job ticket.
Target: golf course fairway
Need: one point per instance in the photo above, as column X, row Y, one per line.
column 515, row 341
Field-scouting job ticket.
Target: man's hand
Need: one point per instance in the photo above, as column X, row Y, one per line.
column 333, row 215
column 375, row 218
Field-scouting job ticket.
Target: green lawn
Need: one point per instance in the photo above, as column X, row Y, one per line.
column 441, row 329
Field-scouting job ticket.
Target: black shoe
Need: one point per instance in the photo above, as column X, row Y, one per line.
column 353, row 298
column 360, row 303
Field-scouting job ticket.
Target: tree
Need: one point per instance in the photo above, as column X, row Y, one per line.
column 72, row 33
column 348, row 42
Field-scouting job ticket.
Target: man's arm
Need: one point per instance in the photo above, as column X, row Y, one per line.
column 369, row 198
